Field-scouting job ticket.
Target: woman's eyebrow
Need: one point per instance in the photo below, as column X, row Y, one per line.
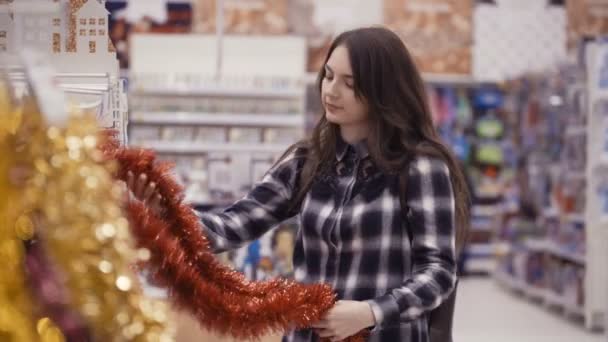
column 332, row 71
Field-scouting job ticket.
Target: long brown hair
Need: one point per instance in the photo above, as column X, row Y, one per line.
column 386, row 77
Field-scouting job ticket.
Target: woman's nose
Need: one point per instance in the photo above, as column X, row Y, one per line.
column 332, row 89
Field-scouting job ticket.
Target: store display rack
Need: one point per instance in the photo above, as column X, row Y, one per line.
column 222, row 128
column 244, row 125
column 561, row 260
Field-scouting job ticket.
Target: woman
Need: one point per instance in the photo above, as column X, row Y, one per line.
column 381, row 200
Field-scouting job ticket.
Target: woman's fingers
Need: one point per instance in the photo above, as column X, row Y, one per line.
column 155, row 203
column 149, row 192
column 144, row 191
column 130, row 181
column 140, row 186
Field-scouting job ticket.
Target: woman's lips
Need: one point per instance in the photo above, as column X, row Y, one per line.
column 331, row 107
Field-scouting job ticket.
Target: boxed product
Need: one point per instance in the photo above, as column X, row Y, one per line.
column 177, row 133
column 244, row 135
column 210, row 135
column 140, row 134
column 281, row 135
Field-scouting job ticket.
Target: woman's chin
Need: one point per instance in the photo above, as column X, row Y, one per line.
column 333, row 118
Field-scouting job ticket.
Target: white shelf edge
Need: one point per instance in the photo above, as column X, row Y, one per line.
column 553, row 299
column 550, row 212
column 216, row 91
column 481, row 249
column 194, row 147
column 482, row 228
column 576, row 218
column 576, row 175
column 576, row 130
column 488, row 210
column 557, row 251
column 276, row 120
column 554, row 249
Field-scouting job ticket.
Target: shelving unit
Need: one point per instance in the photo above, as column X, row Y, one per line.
column 204, row 148
column 215, row 91
column 596, row 276
column 480, row 253
column 222, row 128
column 541, row 295
column 565, row 267
column 217, row 119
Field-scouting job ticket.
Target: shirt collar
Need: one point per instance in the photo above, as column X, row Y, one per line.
column 342, row 148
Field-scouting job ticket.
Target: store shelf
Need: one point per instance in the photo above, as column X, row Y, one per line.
column 561, row 253
column 222, row 92
column 542, row 295
column 482, row 227
column 578, row 218
column 210, row 119
column 449, row 79
column 484, row 266
column 575, row 175
column 576, row 130
column 516, row 284
column 486, row 210
column 550, row 212
column 511, row 282
column 553, row 299
column 189, row 147
column 555, row 250
column 481, row 249
column 534, row 292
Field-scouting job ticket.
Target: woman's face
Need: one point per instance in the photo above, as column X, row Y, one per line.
column 341, row 105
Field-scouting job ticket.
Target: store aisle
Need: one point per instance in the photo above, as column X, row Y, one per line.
column 486, row 312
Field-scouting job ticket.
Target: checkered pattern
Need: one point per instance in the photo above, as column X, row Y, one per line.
column 354, row 237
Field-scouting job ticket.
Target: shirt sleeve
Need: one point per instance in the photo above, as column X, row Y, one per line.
column 431, row 220
column 265, row 206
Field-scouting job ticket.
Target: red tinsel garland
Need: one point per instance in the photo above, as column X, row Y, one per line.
column 222, row 299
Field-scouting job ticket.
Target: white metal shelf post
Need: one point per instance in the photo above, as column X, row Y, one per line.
column 596, row 275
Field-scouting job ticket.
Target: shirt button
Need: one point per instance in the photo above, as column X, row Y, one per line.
column 341, row 169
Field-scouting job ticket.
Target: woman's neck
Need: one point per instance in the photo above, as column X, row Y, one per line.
column 352, row 134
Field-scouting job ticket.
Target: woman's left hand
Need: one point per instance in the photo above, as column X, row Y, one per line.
column 345, row 319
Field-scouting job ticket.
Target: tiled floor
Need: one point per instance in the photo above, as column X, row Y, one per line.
column 485, row 312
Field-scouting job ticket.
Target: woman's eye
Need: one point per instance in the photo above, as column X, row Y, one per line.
column 349, row 85
column 329, row 77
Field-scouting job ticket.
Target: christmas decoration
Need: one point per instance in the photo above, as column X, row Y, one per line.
column 222, row 299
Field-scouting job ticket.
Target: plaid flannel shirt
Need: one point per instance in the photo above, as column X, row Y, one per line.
column 353, row 236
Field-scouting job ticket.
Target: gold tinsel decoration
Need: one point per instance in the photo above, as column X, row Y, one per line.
column 86, row 234
column 17, row 312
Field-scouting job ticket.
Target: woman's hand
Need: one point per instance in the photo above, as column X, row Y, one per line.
column 145, row 191
column 345, row 319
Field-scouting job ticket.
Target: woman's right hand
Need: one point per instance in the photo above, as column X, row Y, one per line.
column 145, row 191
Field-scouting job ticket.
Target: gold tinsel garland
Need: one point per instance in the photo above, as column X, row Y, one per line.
column 17, row 317
column 85, row 232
